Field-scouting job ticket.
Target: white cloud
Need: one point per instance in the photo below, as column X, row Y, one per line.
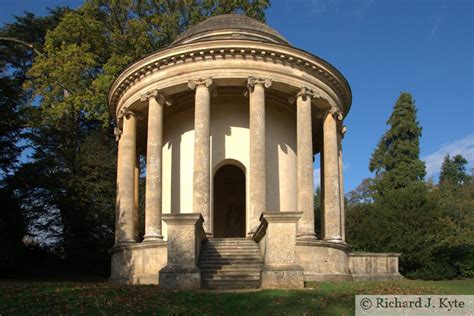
column 463, row 146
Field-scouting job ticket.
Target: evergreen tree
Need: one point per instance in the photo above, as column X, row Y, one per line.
column 396, row 159
column 453, row 170
column 68, row 187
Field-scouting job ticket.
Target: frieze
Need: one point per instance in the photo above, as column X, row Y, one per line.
column 237, row 52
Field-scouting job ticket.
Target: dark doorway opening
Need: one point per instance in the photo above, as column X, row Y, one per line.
column 229, row 202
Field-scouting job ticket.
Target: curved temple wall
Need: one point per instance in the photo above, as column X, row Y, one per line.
column 231, row 90
column 229, row 144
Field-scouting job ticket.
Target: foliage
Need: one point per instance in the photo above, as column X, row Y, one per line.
column 63, row 65
column 453, row 170
column 432, row 226
column 18, row 41
column 91, row 46
column 396, row 159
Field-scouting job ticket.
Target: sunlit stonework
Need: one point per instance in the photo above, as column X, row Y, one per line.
column 229, row 118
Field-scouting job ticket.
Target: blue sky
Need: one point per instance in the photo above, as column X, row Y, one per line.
column 383, row 47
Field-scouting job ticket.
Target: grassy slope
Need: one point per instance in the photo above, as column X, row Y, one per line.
column 318, row 298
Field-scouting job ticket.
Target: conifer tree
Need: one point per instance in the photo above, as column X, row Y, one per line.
column 453, row 170
column 396, row 159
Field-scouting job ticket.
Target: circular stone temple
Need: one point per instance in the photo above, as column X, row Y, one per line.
column 229, row 119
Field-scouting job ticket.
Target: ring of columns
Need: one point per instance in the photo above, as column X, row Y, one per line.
column 190, row 76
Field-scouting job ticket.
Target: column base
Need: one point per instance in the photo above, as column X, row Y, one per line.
column 180, row 278
column 152, row 238
column 308, row 236
column 290, row 277
column 337, row 239
column 125, row 242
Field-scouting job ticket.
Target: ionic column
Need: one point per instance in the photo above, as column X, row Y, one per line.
column 125, row 224
column 332, row 189
column 257, row 165
column 118, row 134
column 340, row 135
column 201, row 175
column 304, row 146
column 136, row 199
column 153, row 191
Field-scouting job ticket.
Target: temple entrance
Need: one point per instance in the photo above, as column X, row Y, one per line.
column 229, row 202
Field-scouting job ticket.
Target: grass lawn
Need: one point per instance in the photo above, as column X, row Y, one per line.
column 24, row 297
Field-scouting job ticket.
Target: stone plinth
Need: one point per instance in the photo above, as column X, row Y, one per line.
column 323, row 260
column 138, row 263
column 374, row 266
column 185, row 234
column 281, row 269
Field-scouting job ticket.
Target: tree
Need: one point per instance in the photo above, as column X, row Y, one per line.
column 433, row 229
column 453, row 170
column 19, row 42
column 92, row 45
column 71, row 198
column 396, row 161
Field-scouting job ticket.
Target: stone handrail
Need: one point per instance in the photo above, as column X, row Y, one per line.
column 261, row 230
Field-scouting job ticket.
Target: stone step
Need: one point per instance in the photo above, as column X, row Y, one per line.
column 235, row 267
column 211, row 272
column 231, row 249
column 230, row 240
column 224, row 247
column 225, row 254
column 243, row 277
column 230, row 256
column 213, row 257
column 227, row 261
column 230, row 284
column 230, row 263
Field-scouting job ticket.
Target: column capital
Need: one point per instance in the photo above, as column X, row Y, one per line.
column 334, row 111
column 117, row 133
column 157, row 95
column 342, row 129
column 208, row 82
column 127, row 112
column 252, row 82
column 306, row 92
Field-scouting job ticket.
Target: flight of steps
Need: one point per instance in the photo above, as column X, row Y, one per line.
column 230, row 263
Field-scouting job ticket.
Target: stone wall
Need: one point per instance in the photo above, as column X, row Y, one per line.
column 374, row 266
column 138, row 263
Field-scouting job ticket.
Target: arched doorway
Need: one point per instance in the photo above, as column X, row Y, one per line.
column 229, row 202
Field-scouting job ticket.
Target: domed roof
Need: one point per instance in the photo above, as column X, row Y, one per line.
column 230, row 26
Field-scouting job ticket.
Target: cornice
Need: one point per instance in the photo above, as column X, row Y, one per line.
column 222, row 49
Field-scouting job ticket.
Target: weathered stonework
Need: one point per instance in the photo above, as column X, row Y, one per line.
column 281, row 269
column 185, row 235
column 374, row 266
column 138, row 263
column 183, row 109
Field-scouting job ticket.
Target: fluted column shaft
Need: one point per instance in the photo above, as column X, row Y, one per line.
column 257, row 165
column 153, row 191
column 118, row 235
column 340, row 135
column 332, row 193
column 136, row 199
column 305, row 182
column 201, row 175
column 125, row 228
